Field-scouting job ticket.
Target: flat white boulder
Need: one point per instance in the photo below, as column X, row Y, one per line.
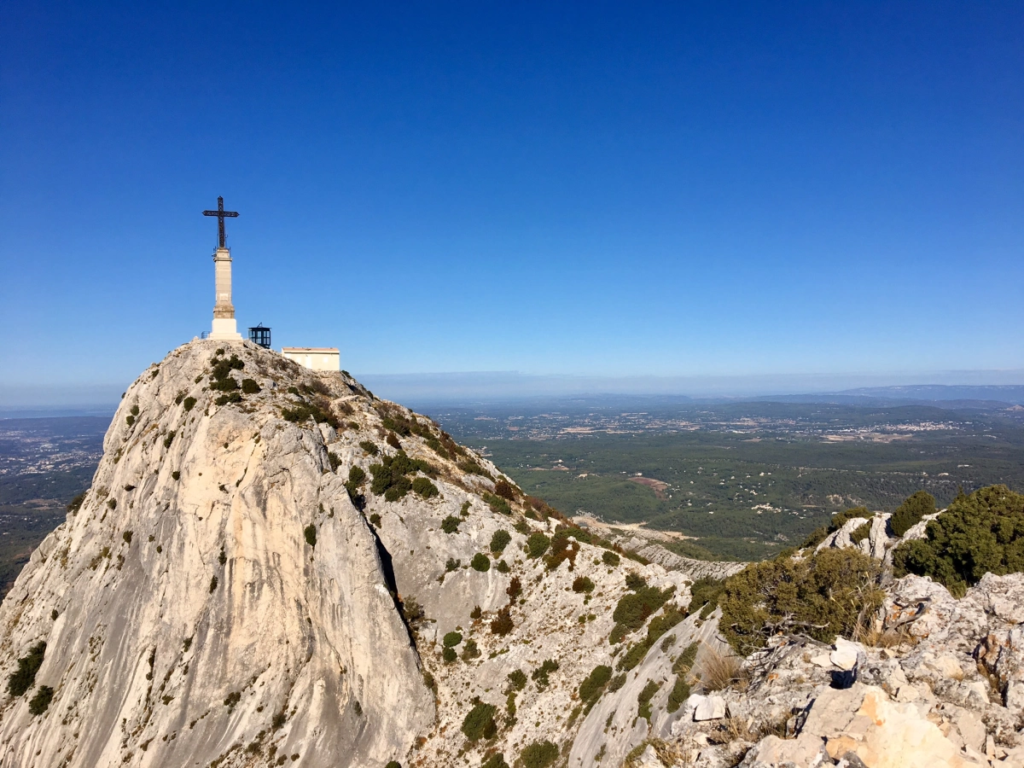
column 711, row 708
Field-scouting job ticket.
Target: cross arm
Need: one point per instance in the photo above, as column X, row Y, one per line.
column 226, row 214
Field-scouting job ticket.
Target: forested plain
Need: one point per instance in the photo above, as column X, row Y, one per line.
column 745, row 480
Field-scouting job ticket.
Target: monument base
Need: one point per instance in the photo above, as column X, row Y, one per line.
column 225, row 329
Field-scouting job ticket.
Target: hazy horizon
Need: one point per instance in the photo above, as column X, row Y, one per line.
column 453, row 387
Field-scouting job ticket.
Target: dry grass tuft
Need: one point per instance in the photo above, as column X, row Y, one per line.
column 719, row 671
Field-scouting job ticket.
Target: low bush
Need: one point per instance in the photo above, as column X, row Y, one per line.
column 479, row 723
column 504, row 489
column 502, row 623
column 514, row 589
column 452, row 565
column 517, row 680
column 643, row 699
column 537, row 544
column 470, row 650
column 480, row 562
column 497, row 504
column 497, row 760
column 610, row 558
column 659, row 626
column 24, row 677
column 500, row 540
column 370, row 448
column 473, row 468
column 540, row 675
column 450, row 524
column 540, row 754
column 635, row 581
column 310, row 533
column 451, row 639
column 583, row 584
column 978, row 534
column 823, row 595
column 250, row 387
column 424, row 488
column 76, row 503
column 450, row 655
column 704, row 594
column 318, row 409
column 592, row 688
column 389, row 477
column 375, row 519
column 41, row 701
column 563, row 547
column 911, row 512
column 189, row 403
column 634, row 609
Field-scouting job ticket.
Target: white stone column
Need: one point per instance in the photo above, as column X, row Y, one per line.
column 224, row 326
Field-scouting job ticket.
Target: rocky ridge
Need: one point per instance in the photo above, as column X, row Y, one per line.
column 274, row 567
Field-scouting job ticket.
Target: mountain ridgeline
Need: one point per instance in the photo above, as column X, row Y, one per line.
column 274, row 567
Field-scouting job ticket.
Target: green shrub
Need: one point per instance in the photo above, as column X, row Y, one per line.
column 517, row 680
column 452, row 565
column 496, row 760
column 310, row 533
column 135, row 410
column 450, row 524
column 452, row 639
column 635, row 581
column 470, row 650
column 176, row 475
column 473, row 468
column 610, row 558
column 617, row 682
column 861, row 532
column 594, row 685
column 334, row 460
column 502, row 566
column 500, row 540
column 583, row 584
column 978, row 534
column 169, row 438
column 370, row 447
column 540, row 754
column 75, row 504
column 679, row 694
column 911, row 512
column 393, row 441
column 213, row 584
column 704, row 593
column 389, row 477
column 24, row 677
column 318, row 409
column 822, row 596
column 234, row 397
column 41, row 701
column 643, row 699
column 634, row 609
column 423, row 487
column 659, row 626
column 190, row 403
column 537, row 544
column 540, row 675
column 480, row 562
column 250, row 387
column 375, row 519
column 479, row 723
column 449, row 655
column 497, row 504
column 232, row 699
column 393, row 764
column 127, row 536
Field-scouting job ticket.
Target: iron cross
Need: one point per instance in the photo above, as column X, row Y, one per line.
column 221, row 214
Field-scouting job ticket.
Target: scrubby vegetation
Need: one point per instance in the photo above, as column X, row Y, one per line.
column 659, row 626
column 643, row 699
column 450, row 524
column 500, row 540
column 310, row 533
column 910, row 512
column 537, row 544
column 390, row 475
column 41, row 701
column 681, row 668
column 978, row 534
column 479, row 723
column 824, row 595
column 540, row 675
column 480, row 562
column 610, row 558
column 356, row 478
column 592, row 688
column 582, row 584
column 540, row 754
column 634, row 609
column 424, row 488
column 502, row 623
column 24, row 677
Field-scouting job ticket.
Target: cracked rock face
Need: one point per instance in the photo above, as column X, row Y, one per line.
column 186, row 617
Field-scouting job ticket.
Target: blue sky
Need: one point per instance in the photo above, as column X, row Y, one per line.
column 585, row 189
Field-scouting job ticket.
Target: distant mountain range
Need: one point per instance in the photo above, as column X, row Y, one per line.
column 943, row 396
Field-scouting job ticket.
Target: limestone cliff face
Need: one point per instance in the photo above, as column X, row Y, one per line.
column 187, row 619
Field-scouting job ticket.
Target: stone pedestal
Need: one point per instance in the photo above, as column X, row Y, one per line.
column 225, row 327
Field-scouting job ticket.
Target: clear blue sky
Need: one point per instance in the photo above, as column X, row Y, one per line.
column 595, row 189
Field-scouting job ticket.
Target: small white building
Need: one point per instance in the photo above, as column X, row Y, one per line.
column 315, row 358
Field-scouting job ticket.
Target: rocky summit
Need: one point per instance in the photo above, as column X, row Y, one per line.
column 274, row 567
